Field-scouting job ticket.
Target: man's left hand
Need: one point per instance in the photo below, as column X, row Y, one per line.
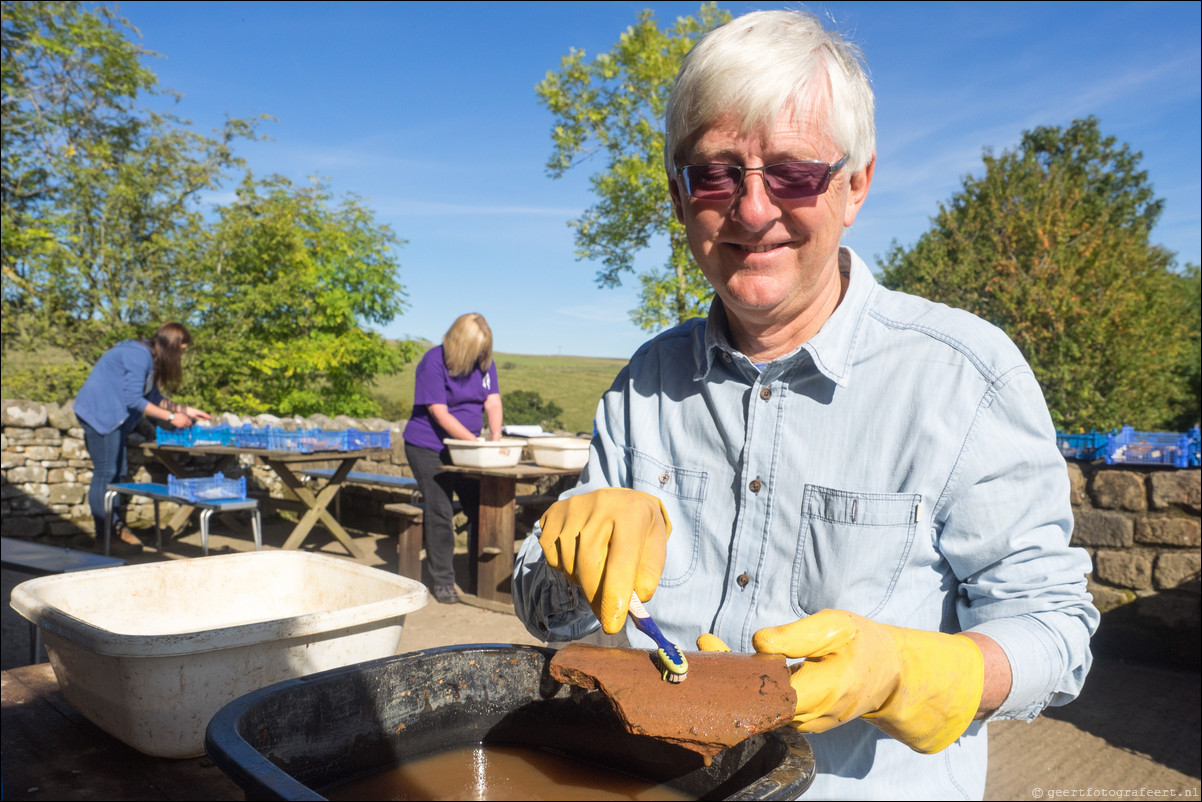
column 922, row 688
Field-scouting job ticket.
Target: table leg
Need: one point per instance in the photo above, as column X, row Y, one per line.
column 316, row 506
column 494, row 555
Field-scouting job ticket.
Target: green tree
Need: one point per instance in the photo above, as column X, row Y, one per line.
column 526, row 407
column 615, row 105
column 100, row 210
column 294, row 277
column 105, row 237
column 1052, row 245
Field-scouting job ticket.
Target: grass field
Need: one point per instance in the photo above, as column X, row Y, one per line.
column 575, row 383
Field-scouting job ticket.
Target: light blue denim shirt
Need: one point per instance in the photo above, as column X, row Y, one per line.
column 901, row 464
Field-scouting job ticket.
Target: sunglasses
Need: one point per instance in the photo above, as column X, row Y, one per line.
column 785, row 180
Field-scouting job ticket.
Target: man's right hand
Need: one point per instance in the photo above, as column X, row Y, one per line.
column 609, row 542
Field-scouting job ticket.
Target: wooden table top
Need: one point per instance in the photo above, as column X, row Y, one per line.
column 51, row 751
column 523, row 470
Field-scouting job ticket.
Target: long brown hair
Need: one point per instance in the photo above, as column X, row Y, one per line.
column 168, row 349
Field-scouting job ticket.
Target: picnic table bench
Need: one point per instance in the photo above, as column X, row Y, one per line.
column 406, row 483
column 159, row 493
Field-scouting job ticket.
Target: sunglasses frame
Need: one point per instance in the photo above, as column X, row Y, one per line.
column 831, row 169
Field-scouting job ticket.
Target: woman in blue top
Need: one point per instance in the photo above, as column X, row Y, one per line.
column 456, row 383
column 125, row 384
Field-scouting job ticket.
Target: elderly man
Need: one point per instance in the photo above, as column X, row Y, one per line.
column 821, row 467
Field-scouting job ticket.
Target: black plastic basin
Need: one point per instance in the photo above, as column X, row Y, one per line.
column 289, row 740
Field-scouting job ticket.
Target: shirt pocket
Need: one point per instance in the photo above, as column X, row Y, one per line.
column 851, row 549
column 682, row 491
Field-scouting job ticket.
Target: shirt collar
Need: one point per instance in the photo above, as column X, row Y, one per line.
column 832, row 349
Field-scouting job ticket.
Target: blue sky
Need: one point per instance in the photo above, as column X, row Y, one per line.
column 428, row 112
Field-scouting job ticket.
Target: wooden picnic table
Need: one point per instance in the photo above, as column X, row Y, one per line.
column 313, row 506
column 491, row 564
column 51, row 751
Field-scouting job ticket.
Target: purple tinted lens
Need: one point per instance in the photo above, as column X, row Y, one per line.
column 791, row 180
column 786, row 180
column 711, row 181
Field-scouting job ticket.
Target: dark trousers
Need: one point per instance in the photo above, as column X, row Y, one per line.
column 438, row 488
column 109, row 465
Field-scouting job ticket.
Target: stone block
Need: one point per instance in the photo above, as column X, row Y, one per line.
column 69, row 475
column 42, row 453
column 1106, row 598
column 23, row 526
column 47, row 436
column 1125, row 569
column 1180, row 488
column 27, row 473
column 1102, row 528
column 62, row 526
column 62, row 417
column 67, row 493
column 1179, row 570
column 1119, row 490
column 1076, row 484
column 25, row 414
column 1169, row 531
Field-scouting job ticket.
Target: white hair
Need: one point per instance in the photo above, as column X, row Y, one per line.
column 766, row 63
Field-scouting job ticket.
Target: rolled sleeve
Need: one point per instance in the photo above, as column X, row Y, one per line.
column 552, row 608
column 1006, row 536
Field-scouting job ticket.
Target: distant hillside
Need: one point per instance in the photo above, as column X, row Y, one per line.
column 575, row 383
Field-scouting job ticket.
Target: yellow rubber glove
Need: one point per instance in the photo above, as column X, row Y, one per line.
column 922, row 688
column 609, row 542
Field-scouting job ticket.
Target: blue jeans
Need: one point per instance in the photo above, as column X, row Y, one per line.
column 109, row 465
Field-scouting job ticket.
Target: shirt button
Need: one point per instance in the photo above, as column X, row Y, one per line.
column 743, row 579
column 755, row 486
column 664, row 477
column 766, row 393
column 726, row 356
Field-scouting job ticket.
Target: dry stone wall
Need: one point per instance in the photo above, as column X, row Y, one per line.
column 1141, row 525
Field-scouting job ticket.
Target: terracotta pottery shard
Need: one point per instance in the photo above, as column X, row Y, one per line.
column 726, row 698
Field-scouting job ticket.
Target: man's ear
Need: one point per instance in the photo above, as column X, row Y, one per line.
column 857, row 191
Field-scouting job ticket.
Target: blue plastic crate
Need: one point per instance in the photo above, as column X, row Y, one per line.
column 248, row 436
column 198, row 435
column 1195, row 443
column 306, row 441
column 357, row 439
column 207, row 488
column 1087, row 446
column 1130, row 447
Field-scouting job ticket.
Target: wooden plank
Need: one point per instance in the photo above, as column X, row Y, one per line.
column 52, row 752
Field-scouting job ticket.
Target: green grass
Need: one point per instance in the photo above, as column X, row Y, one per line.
column 575, row 383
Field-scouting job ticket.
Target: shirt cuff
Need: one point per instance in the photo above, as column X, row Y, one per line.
column 1040, row 671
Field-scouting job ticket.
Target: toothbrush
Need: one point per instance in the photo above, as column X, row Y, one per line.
column 672, row 661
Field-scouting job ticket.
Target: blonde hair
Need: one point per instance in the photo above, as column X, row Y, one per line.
column 467, row 344
column 764, row 64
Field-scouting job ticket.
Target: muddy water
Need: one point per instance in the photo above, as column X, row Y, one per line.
column 499, row 772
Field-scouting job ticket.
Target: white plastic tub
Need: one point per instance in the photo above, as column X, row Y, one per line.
column 502, row 453
column 150, row 652
column 559, row 452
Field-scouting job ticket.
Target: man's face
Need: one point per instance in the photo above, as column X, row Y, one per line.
column 768, row 259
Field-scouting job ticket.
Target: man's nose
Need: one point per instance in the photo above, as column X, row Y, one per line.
column 753, row 204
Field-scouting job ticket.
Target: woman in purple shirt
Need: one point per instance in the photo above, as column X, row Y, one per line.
column 125, row 384
column 456, row 383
